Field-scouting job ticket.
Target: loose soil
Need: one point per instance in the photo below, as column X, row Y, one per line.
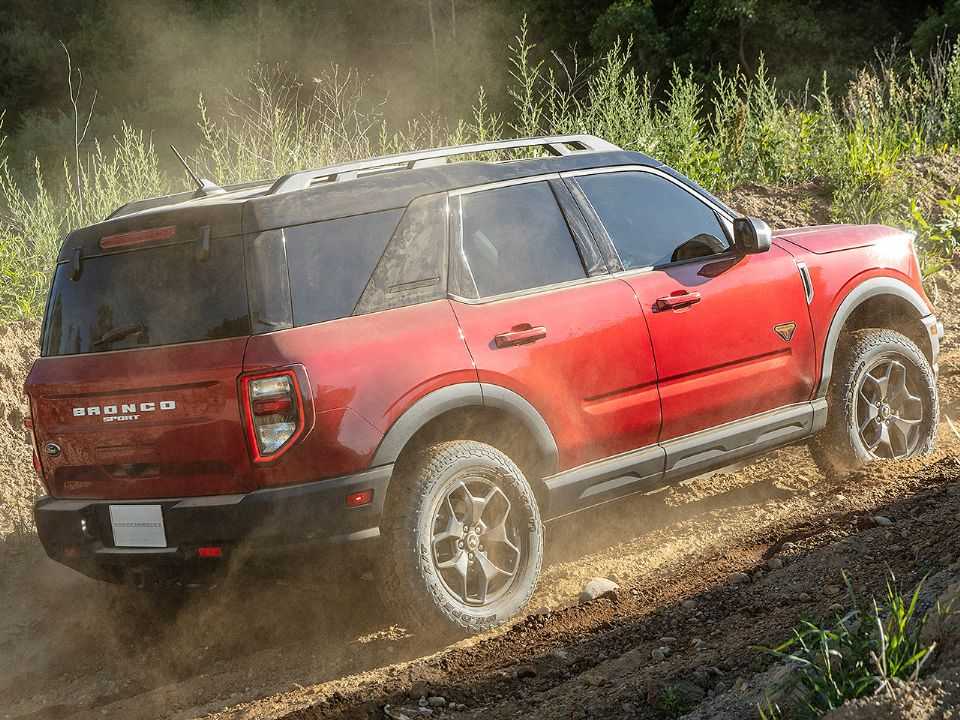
column 698, row 596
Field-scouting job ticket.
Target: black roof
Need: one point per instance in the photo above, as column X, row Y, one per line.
column 251, row 208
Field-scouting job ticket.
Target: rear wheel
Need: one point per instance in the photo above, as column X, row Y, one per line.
column 882, row 403
column 463, row 540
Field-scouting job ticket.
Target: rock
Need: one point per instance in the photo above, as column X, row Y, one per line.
column 689, row 604
column 668, row 640
column 598, row 588
column 522, row 672
column 739, row 578
column 803, row 597
column 774, row 563
column 881, row 521
column 560, row 654
column 437, row 701
column 831, row 590
column 659, row 654
column 687, row 693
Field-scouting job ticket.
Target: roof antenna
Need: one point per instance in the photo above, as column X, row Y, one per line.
column 204, row 187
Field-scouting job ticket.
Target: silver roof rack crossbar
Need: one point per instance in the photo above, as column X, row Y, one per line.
column 555, row 145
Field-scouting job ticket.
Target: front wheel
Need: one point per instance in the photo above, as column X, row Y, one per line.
column 882, row 403
column 463, row 540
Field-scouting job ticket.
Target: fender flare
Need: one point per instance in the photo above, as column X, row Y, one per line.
column 464, row 395
column 854, row 299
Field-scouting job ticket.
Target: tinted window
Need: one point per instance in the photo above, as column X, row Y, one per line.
column 155, row 296
column 331, row 262
column 413, row 267
column 515, row 238
column 651, row 220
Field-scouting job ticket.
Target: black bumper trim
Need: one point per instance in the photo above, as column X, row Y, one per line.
column 297, row 514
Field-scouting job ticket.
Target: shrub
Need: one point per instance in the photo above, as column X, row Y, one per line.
column 869, row 646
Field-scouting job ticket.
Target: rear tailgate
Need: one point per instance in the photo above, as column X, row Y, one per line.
column 151, row 423
column 135, row 395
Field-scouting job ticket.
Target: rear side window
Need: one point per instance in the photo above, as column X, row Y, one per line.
column 143, row 298
column 651, row 221
column 514, row 238
column 331, row 262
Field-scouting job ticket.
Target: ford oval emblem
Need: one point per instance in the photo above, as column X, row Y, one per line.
column 52, row 449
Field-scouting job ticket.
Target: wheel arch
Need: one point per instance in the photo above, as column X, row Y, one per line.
column 881, row 302
column 476, row 411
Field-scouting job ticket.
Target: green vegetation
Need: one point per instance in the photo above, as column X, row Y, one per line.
column 736, row 128
column 869, row 646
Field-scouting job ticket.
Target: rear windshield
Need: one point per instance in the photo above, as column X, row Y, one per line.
column 148, row 297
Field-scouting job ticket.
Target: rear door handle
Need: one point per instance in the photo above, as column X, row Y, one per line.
column 520, row 335
column 676, row 300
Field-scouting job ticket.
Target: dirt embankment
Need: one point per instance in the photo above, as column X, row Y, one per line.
column 18, row 482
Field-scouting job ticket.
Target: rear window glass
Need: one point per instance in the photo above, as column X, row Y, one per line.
column 149, row 297
column 331, row 262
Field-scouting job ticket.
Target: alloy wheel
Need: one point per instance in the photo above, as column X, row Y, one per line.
column 477, row 549
column 889, row 410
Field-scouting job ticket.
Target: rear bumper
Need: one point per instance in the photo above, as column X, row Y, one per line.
column 78, row 532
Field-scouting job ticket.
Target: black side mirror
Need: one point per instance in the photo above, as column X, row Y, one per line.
column 751, row 235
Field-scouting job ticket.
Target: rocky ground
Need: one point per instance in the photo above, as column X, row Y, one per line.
column 707, row 574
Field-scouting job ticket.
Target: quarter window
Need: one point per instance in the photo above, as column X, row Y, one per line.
column 651, row 220
column 331, row 262
column 515, row 238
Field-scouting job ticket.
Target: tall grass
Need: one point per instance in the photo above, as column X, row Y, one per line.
column 738, row 129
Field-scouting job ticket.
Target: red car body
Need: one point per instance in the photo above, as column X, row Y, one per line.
column 619, row 383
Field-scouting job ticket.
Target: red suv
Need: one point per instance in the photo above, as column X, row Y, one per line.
column 439, row 357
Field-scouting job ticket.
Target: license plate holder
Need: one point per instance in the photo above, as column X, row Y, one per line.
column 138, row 526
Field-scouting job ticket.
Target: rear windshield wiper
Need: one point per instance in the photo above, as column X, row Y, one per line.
column 119, row 333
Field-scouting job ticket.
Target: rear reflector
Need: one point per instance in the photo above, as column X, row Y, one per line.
column 359, row 499
column 272, row 407
column 138, row 237
column 210, row 551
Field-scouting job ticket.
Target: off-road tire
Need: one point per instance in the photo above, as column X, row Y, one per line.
column 838, row 448
column 410, row 584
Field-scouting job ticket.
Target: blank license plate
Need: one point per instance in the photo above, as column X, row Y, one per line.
column 138, row 526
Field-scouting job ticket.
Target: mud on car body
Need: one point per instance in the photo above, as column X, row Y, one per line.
column 436, row 358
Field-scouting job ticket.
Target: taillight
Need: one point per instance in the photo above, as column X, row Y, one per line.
column 274, row 410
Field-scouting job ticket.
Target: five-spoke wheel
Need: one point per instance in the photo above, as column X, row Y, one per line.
column 476, row 547
column 881, row 403
column 889, row 410
column 463, row 538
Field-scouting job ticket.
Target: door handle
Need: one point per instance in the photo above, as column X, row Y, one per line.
column 676, row 300
column 520, row 335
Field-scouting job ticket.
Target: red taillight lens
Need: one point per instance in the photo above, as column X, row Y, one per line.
column 138, row 237
column 209, row 551
column 274, row 410
column 274, row 406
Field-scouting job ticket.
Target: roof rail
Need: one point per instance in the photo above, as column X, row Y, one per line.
column 554, row 144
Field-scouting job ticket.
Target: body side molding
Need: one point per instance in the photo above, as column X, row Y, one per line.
column 716, row 447
column 856, row 297
column 655, row 466
column 463, row 395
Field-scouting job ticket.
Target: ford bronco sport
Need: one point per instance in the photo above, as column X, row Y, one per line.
column 441, row 356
